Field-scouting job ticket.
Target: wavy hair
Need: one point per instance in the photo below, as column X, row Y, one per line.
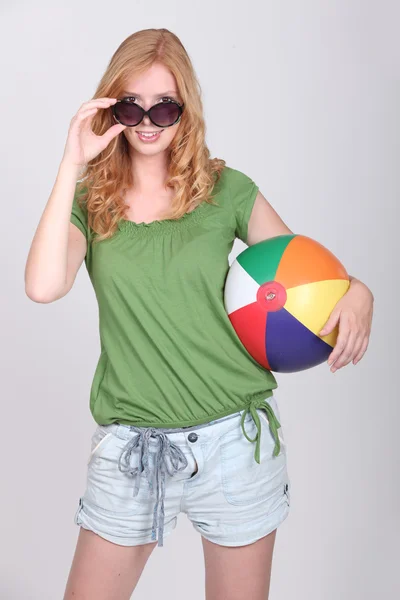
column 191, row 172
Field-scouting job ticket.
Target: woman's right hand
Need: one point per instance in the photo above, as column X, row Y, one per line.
column 82, row 144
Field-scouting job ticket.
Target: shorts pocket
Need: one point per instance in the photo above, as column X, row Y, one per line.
column 286, row 491
column 243, row 480
column 77, row 520
column 100, row 439
column 109, row 489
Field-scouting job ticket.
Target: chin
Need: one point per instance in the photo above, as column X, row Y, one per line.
column 149, row 151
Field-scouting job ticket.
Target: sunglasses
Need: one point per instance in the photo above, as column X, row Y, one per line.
column 163, row 114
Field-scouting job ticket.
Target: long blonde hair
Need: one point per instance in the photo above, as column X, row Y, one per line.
column 191, row 171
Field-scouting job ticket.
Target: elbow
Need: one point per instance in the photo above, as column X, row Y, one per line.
column 44, row 296
column 38, row 296
column 44, row 285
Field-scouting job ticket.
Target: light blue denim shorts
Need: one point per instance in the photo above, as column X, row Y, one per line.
column 140, row 478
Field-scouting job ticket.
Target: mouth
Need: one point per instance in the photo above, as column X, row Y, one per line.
column 149, row 136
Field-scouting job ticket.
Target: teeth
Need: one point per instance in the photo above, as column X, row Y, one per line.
column 148, row 134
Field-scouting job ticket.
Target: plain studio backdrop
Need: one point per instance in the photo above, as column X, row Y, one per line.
column 304, row 98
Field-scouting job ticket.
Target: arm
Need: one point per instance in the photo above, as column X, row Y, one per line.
column 58, row 246
column 264, row 222
column 354, row 310
column 63, row 236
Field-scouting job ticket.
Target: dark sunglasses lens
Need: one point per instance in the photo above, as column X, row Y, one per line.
column 165, row 113
column 128, row 113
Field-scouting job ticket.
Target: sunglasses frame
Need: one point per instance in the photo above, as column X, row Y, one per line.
column 147, row 112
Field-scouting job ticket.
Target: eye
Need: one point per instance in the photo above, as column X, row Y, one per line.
column 163, row 99
column 169, row 99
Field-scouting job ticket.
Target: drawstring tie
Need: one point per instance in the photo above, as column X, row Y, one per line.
column 164, row 448
column 273, row 424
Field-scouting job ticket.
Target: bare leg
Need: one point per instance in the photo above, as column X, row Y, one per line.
column 103, row 570
column 239, row 572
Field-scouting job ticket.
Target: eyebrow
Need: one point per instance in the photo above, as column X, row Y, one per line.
column 155, row 95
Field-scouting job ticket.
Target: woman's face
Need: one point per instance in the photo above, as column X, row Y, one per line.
column 147, row 89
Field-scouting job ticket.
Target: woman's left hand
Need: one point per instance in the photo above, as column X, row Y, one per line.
column 354, row 313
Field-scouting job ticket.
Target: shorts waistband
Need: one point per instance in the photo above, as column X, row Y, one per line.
column 122, row 430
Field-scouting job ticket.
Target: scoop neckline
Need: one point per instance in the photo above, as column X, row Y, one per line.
column 163, row 225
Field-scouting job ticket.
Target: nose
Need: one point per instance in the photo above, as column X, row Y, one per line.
column 146, row 120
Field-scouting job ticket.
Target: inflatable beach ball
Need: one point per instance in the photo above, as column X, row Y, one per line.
column 278, row 294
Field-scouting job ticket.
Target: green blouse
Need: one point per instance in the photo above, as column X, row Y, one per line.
column 169, row 355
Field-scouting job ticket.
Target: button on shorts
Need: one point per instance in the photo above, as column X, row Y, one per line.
column 139, row 479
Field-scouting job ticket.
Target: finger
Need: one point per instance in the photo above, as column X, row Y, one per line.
column 82, row 114
column 102, row 98
column 330, row 324
column 80, row 118
column 341, row 341
column 357, row 346
column 348, row 352
column 98, row 101
column 113, row 132
column 362, row 351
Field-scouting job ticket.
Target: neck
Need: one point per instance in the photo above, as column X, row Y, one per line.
column 149, row 172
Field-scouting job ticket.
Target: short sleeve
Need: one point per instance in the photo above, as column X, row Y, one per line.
column 243, row 192
column 79, row 214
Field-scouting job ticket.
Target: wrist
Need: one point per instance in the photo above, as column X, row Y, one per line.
column 70, row 168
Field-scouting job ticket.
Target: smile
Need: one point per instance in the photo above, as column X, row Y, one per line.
column 148, row 136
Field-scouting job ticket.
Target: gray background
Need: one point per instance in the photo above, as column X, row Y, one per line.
column 319, row 85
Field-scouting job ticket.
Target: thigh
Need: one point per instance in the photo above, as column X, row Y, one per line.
column 103, row 570
column 238, row 572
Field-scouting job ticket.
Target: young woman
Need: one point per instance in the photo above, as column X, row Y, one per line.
column 187, row 420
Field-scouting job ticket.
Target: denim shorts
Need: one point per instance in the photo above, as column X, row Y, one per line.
column 140, row 478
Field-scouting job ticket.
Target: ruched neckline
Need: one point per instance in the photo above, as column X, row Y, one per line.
column 159, row 226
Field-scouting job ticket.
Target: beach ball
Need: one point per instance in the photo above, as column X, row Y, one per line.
column 278, row 295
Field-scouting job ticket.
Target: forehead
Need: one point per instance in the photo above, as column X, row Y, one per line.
column 155, row 80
